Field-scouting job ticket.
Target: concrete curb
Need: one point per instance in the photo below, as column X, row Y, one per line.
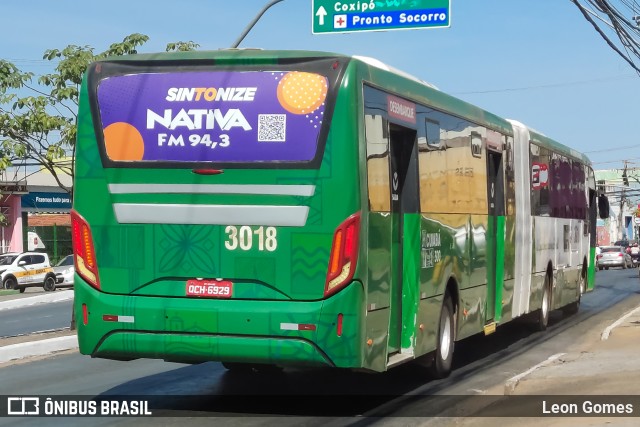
column 56, row 296
column 37, row 348
column 607, row 331
column 513, row 382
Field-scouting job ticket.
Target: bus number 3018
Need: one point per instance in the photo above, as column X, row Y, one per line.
column 243, row 238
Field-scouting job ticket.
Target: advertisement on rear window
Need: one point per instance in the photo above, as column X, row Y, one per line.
column 245, row 117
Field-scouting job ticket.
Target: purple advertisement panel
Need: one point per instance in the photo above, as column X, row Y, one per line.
column 253, row 116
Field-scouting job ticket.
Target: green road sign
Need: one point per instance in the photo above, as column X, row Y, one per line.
column 335, row 16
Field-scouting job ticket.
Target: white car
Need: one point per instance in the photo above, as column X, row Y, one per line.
column 22, row 270
column 64, row 270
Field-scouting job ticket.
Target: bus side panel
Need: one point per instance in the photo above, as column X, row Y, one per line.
column 378, row 262
column 578, row 251
column 428, row 317
column 547, row 245
column 411, row 255
column 453, row 247
column 376, row 339
column 592, row 232
column 523, row 223
column 473, row 296
column 510, row 247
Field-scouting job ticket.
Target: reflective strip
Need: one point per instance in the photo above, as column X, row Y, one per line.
column 117, row 318
column 297, row 327
column 141, row 213
column 274, row 190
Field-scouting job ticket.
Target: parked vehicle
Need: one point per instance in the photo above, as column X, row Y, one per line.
column 613, row 256
column 634, row 251
column 64, row 271
column 22, row 270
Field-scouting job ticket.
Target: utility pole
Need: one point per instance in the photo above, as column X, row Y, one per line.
column 252, row 23
column 625, row 183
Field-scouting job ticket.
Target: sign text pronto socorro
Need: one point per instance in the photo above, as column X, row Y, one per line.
column 342, row 16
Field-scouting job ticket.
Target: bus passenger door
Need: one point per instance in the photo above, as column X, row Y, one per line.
column 405, row 238
column 495, row 234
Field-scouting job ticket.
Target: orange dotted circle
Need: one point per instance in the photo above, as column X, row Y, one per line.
column 302, row 93
column 123, row 142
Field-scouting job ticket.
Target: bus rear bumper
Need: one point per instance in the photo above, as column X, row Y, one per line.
column 188, row 330
column 186, row 348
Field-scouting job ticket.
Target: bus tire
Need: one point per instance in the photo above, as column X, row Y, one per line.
column 443, row 356
column 542, row 318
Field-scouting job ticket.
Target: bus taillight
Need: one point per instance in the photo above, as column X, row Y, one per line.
column 344, row 254
column 83, row 250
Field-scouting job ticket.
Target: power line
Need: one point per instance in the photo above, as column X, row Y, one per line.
column 615, row 161
column 628, row 45
column 612, row 149
column 550, row 85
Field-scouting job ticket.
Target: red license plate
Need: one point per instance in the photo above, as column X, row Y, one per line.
column 209, row 288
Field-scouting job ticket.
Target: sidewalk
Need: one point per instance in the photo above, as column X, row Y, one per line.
column 605, row 367
column 601, row 367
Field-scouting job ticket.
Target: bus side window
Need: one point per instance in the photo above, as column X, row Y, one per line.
column 378, row 163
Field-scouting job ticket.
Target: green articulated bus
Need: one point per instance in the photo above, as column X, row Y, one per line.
column 290, row 208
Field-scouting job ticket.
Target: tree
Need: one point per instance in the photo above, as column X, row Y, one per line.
column 38, row 113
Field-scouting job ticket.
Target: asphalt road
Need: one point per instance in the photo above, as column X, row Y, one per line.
column 320, row 396
column 41, row 317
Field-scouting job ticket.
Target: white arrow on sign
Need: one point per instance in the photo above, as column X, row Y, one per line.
column 321, row 13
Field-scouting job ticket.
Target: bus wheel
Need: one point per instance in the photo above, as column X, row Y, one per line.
column 443, row 356
column 543, row 313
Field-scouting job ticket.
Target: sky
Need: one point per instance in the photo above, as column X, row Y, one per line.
column 536, row 61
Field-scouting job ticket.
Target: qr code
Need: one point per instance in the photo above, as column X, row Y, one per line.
column 272, row 127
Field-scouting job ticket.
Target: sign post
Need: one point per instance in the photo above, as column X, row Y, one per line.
column 346, row 16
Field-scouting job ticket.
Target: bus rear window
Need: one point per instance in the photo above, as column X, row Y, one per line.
column 219, row 117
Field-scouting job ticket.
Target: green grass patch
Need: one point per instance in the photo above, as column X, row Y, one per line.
column 8, row 292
